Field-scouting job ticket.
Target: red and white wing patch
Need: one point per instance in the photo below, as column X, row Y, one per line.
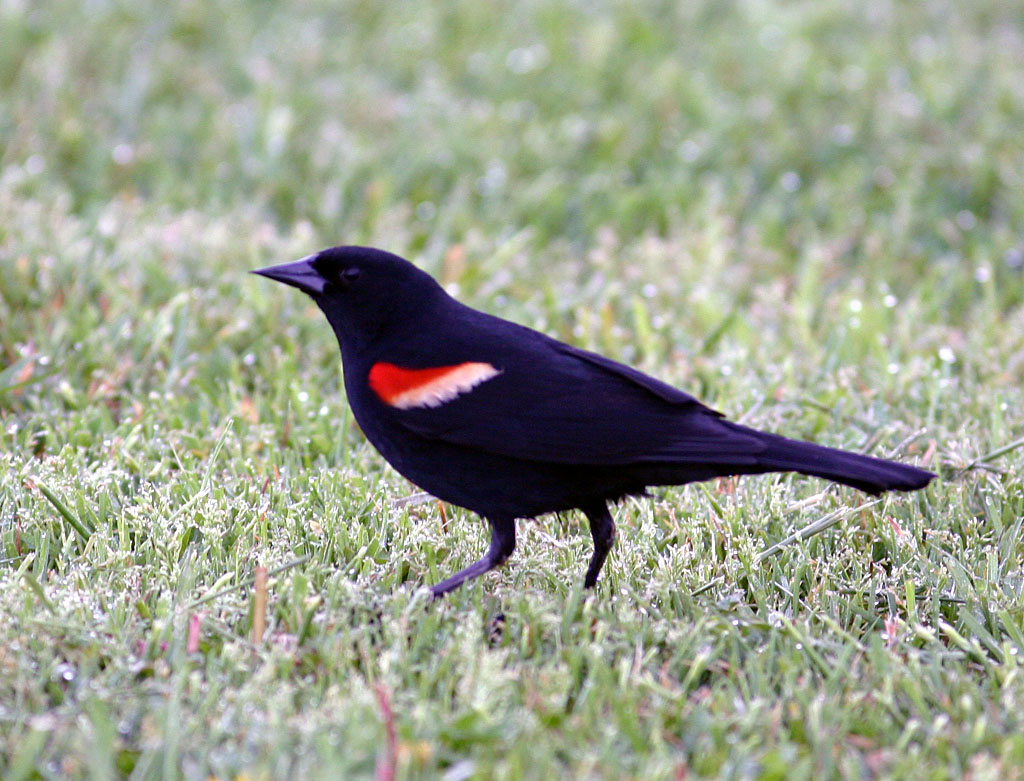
column 412, row 388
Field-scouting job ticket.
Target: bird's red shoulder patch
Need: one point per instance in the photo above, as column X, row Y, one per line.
column 411, row 388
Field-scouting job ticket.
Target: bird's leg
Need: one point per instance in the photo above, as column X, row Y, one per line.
column 503, row 542
column 602, row 529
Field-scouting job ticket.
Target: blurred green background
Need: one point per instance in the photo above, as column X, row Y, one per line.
column 808, row 213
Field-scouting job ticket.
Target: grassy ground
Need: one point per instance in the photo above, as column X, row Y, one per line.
column 808, row 213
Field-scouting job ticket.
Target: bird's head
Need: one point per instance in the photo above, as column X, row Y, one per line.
column 363, row 291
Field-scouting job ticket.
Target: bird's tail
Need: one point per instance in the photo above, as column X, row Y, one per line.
column 873, row 475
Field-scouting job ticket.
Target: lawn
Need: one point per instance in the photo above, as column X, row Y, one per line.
column 809, row 214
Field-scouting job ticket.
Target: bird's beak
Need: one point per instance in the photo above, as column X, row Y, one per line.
column 300, row 274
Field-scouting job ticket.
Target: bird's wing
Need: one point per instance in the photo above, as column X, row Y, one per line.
column 550, row 402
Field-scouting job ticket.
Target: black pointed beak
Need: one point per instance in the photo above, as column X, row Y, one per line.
column 300, row 274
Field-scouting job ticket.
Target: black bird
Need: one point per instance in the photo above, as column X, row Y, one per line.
column 510, row 423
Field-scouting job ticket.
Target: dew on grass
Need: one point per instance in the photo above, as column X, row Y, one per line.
column 842, row 135
column 107, row 225
column 122, row 154
column 689, row 150
column 946, row 354
column 527, row 58
column 302, row 396
column 771, row 37
column 966, row 220
column 890, row 301
column 35, row 165
column 982, row 273
column 909, row 105
column 493, row 179
column 853, row 77
column 575, row 128
column 761, row 107
column 883, row 176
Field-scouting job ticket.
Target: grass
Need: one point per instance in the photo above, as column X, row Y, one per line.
column 808, row 214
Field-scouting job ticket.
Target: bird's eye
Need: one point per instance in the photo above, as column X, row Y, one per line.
column 350, row 275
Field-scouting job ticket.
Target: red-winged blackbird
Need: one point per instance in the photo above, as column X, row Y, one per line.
column 510, row 423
